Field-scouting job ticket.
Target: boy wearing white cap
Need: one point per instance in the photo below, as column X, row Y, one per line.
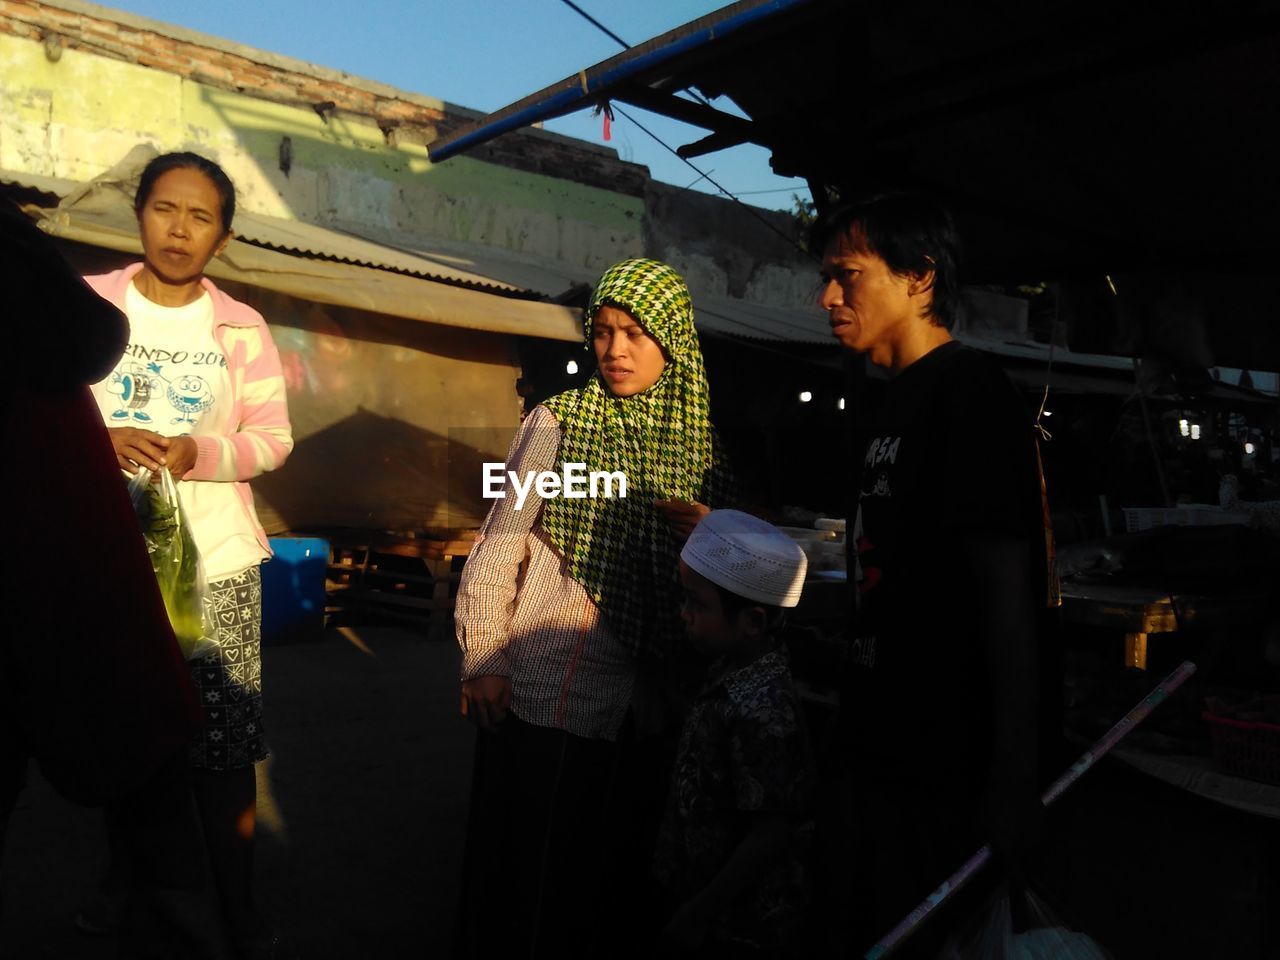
column 742, row 789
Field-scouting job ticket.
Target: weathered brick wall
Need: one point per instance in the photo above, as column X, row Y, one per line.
column 221, row 68
column 229, row 66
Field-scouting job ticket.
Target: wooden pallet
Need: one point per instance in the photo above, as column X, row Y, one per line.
column 368, row 572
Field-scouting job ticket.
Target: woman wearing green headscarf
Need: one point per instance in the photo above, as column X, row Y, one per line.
column 568, row 606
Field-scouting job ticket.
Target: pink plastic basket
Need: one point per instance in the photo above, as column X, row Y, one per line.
column 1246, row 748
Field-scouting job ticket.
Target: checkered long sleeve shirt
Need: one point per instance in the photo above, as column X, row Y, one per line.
column 519, row 613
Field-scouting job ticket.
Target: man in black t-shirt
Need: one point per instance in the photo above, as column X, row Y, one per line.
column 939, row 702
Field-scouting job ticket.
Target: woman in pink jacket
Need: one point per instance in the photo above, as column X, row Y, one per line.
column 199, row 392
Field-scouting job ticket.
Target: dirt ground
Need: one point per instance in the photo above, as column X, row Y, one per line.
column 360, row 829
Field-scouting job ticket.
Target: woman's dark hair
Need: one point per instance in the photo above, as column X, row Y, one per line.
column 912, row 233
column 187, row 161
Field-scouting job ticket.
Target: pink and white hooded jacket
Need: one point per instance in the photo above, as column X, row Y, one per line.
column 251, row 435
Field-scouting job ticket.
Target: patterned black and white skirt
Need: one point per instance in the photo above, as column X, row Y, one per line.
column 230, row 678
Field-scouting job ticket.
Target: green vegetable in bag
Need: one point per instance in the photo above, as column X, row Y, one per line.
column 175, row 560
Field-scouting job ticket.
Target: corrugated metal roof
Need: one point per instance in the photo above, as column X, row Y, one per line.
column 100, row 213
column 516, row 269
column 294, row 236
column 757, row 321
column 484, row 268
column 1043, row 352
column 713, row 314
column 54, row 186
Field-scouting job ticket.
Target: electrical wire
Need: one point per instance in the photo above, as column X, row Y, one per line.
column 711, row 180
column 617, row 39
column 597, row 24
column 752, row 193
column 698, row 96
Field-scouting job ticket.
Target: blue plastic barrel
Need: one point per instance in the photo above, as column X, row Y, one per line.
column 293, row 589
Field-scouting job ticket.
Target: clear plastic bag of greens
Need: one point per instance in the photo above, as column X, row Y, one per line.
column 175, row 560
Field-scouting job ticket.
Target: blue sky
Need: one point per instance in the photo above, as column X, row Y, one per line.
column 485, row 54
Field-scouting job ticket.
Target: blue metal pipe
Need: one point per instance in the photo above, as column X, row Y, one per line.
column 565, row 96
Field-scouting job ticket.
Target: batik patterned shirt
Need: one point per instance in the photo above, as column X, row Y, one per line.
column 743, row 751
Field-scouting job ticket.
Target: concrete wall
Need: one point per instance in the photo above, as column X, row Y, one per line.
column 728, row 249
column 80, row 84
column 78, row 91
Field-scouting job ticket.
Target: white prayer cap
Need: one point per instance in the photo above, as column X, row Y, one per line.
column 748, row 557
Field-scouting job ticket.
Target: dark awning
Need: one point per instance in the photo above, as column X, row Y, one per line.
column 1074, row 138
column 639, row 75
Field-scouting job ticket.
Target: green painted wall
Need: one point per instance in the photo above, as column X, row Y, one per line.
column 78, row 116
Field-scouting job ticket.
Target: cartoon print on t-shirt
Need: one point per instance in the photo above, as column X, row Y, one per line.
column 132, row 386
column 190, row 396
column 135, row 386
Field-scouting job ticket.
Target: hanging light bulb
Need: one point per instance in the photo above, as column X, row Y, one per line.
column 571, row 367
column 840, row 404
column 805, row 396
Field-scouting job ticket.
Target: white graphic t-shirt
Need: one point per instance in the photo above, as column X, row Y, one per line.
column 171, row 375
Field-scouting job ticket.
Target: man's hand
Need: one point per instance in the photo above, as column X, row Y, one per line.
column 138, row 448
column 682, row 515
column 180, row 457
column 485, row 700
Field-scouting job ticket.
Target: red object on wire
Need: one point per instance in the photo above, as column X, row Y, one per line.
column 608, row 122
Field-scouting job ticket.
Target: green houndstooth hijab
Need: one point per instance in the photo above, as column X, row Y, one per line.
column 622, row 550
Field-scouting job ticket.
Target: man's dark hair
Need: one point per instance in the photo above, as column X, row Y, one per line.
column 775, row 617
column 187, row 161
column 913, row 234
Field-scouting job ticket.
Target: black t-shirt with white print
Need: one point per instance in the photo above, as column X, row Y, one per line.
column 949, row 455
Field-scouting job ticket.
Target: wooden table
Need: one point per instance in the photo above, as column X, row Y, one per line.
column 1138, row 611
